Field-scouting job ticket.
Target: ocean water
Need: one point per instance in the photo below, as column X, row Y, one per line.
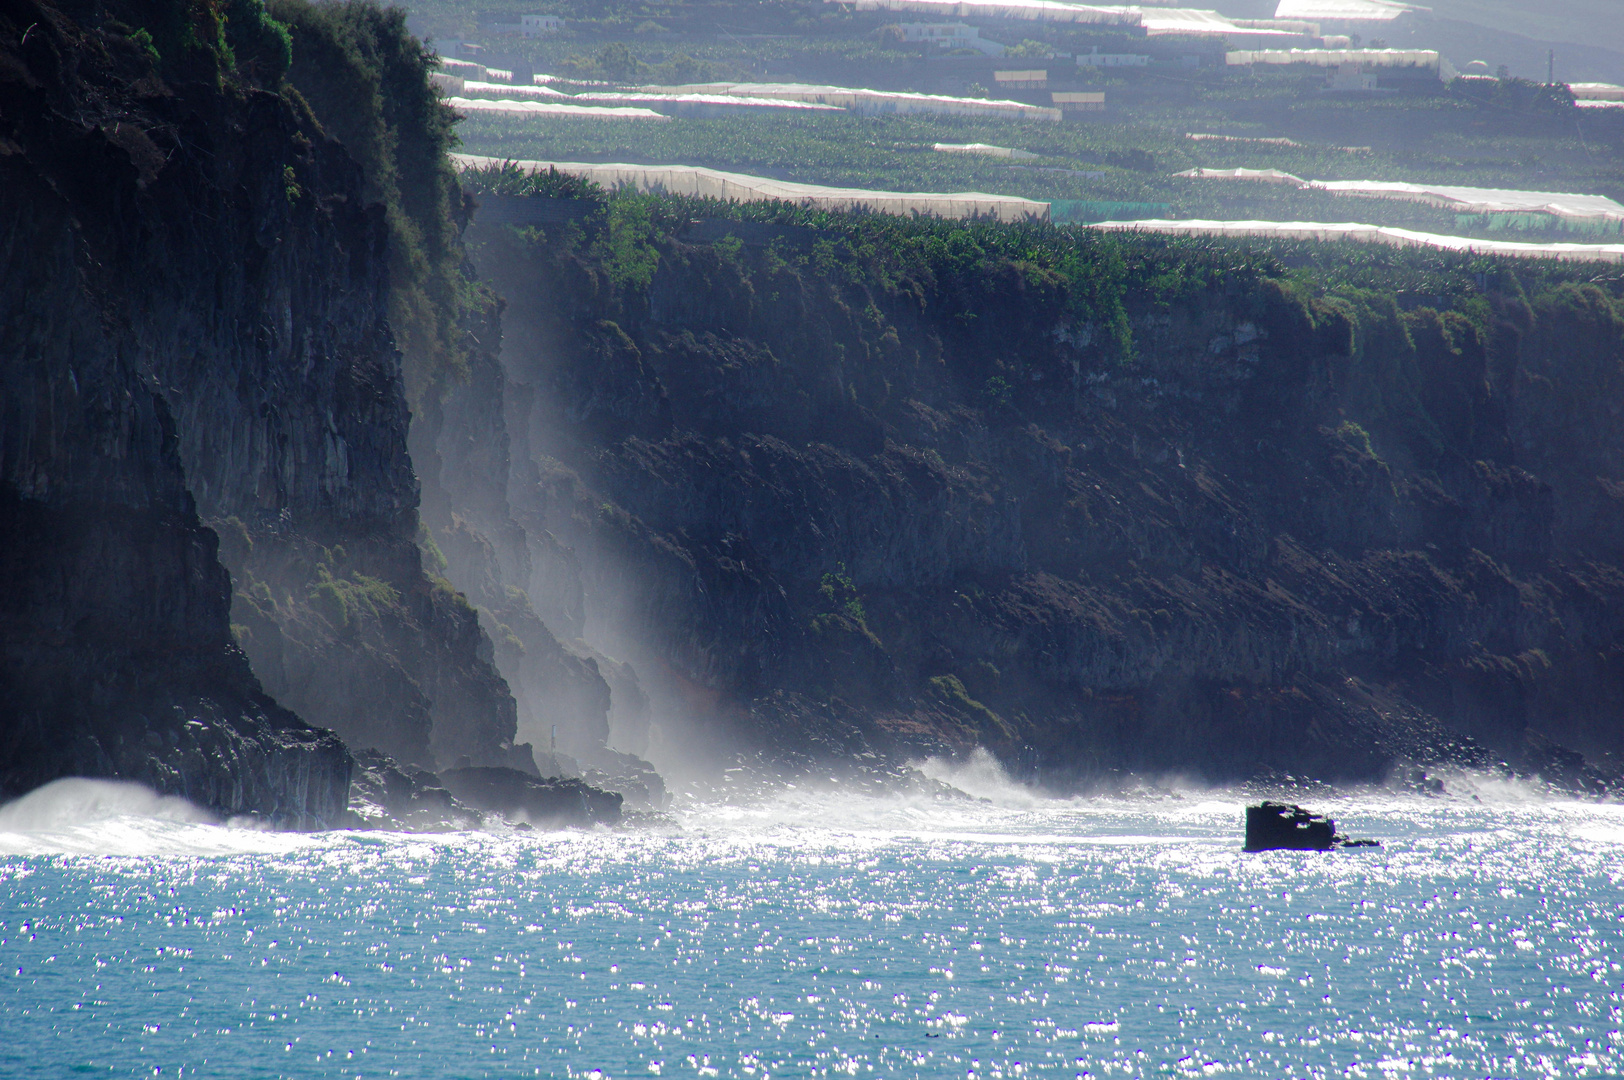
column 807, row 931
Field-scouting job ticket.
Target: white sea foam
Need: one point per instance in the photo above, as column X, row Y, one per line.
column 982, row 776
column 74, row 801
column 79, row 816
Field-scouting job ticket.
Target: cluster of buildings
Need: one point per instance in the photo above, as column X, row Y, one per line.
column 1309, row 35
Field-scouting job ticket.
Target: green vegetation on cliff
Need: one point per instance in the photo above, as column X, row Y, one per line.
column 366, row 80
column 201, row 39
column 1124, row 167
column 1117, row 163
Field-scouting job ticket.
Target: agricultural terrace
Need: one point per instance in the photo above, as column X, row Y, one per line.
column 1115, row 166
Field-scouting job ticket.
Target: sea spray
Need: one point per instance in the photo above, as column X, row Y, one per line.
column 74, row 801
column 982, row 776
column 82, row 816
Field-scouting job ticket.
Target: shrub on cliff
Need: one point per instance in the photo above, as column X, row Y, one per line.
column 207, row 40
column 261, row 46
column 508, row 179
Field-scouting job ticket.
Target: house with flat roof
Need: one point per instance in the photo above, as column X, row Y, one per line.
column 528, row 25
column 537, row 25
column 1097, row 59
column 948, row 36
column 1035, row 79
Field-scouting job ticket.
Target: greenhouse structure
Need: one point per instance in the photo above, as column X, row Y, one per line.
column 1373, row 234
column 549, row 110
column 868, row 102
column 1595, row 212
column 738, row 187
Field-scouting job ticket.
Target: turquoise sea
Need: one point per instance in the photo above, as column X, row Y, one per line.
column 807, row 930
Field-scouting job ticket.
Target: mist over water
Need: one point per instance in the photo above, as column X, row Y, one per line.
column 963, row 926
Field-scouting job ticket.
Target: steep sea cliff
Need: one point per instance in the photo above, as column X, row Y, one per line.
column 148, row 307
column 211, row 570
column 841, row 486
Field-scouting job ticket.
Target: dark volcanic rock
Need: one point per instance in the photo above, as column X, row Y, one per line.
column 1284, row 827
column 387, row 795
column 554, row 801
column 118, row 659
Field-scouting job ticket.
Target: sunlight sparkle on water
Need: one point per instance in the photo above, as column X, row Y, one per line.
column 820, row 933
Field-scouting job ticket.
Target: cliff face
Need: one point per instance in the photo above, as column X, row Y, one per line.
column 525, row 585
column 333, row 604
column 195, row 299
column 1120, row 509
column 132, row 224
column 337, row 616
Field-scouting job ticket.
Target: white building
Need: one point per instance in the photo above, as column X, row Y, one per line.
column 1079, row 100
column 1351, row 77
column 1097, row 59
column 537, row 25
column 1035, row 79
column 529, row 26
column 949, row 36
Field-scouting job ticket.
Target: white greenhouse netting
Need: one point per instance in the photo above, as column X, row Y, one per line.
column 700, row 106
column 1300, row 27
column 1465, row 200
column 508, row 90
column 550, row 110
column 1597, row 95
column 984, row 150
column 1371, row 234
column 1268, row 176
column 466, row 69
column 738, row 187
column 1389, row 58
column 1158, row 23
column 1040, row 10
column 1474, row 200
column 1260, row 140
column 1342, row 10
column 867, row 102
column 1155, row 21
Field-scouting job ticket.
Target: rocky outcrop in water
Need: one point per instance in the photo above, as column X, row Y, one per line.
column 551, row 801
column 387, row 795
column 885, row 489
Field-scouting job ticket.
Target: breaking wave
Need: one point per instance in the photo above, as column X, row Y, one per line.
column 79, row 816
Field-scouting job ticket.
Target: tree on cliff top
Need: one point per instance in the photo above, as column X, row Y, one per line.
column 366, row 79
